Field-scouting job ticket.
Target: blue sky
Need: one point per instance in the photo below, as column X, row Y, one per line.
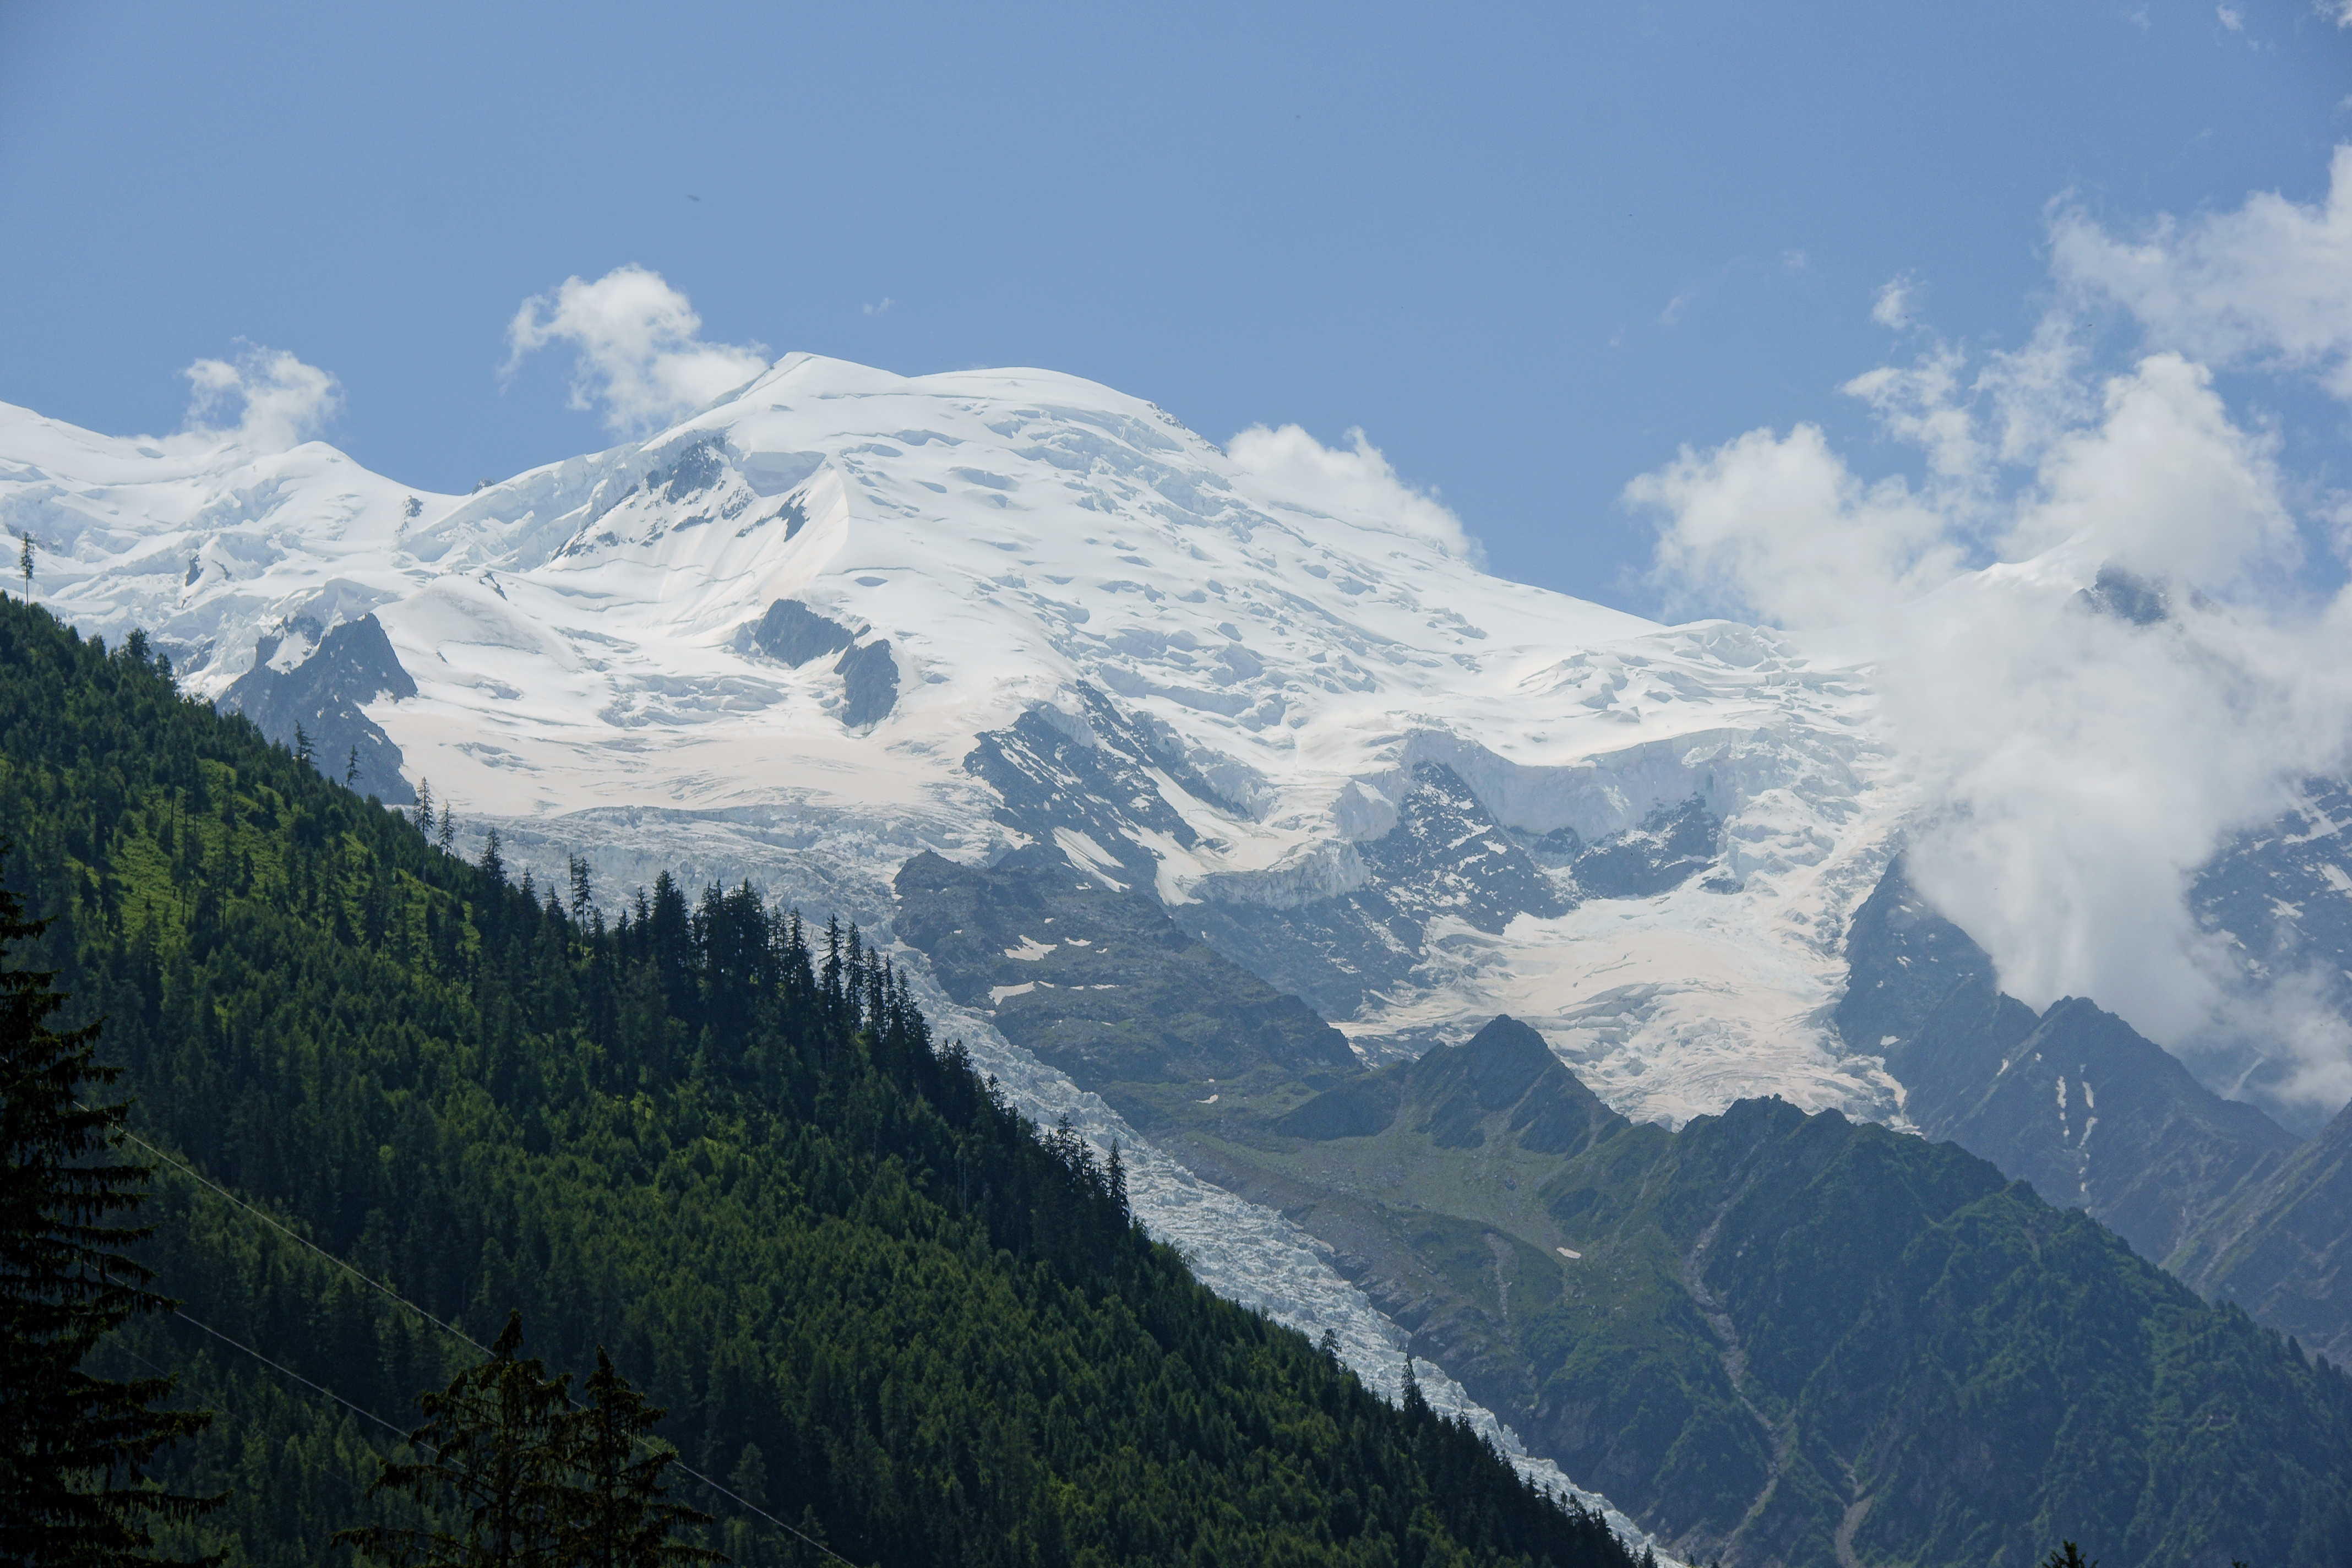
column 1531, row 251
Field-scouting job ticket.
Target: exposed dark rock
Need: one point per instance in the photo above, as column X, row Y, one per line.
column 353, row 665
column 1100, row 984
column 694, row 471
column 1902, row 959
column 2115, row 592
column 795, row 634
column 1446, row 856
column 1092, row 776
column 2075, row 1100
column 1673, row 843
column 870, row 684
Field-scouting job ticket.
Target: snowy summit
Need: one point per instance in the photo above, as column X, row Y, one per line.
column 823, row 624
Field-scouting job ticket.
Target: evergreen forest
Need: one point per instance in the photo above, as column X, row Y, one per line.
column 890, row 1320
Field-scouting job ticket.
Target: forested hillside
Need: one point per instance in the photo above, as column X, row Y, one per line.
column 874, row 1302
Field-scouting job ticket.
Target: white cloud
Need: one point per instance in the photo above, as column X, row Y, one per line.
column 2165, row 486
column 638, row 348
column 880, row 309
column 1921, row 404
column 2267, row 284
column 2229, row 18
column 1353, row 482
column 2073, row 768
column 2341, row 10
column 2078, row 769
column 278, row 402
column 1779, row 527
column 1895, row 305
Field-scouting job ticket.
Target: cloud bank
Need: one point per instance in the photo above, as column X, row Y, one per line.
column 1354, row 483
column 2094, row 658
column 265, row 400
column 639, row 358
column 2269, row 284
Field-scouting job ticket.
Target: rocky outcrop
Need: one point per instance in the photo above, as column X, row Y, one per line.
column 2073, row 1100
column 320, row 701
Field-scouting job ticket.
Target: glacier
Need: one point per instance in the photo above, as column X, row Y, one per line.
column 578, row 641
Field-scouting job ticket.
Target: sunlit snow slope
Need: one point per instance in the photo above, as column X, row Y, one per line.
column 979, row 554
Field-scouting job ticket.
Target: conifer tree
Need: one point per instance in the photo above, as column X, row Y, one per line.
column 493, row 1464
column 1414, row 1403
column 613, row 1513
column 73, row 1448
column 1115, row 1183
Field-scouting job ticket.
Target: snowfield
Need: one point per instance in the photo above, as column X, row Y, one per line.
column 578, row 636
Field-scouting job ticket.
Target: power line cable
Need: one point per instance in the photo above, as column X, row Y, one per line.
column 289, row 1371
column 283, row 1229
column 267, row 1218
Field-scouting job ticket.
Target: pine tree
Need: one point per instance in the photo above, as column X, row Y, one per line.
column 613, row 1513
column 494, row 1464
column 2069, row 1555
column 302, row 744
column 1413, row 1402
column 73, row 1448
column 352, row 769
column 1115, row 1182
column 24, row 564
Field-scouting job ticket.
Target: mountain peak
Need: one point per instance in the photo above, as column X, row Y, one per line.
column 1214, row 674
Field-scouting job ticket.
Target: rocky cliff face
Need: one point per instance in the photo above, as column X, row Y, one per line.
column 2094, row 1115
column 322, row 696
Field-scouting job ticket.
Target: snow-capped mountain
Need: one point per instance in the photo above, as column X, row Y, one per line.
column 843, row 615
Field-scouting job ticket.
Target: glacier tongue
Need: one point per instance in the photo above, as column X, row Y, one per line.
column 1250, row 1254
